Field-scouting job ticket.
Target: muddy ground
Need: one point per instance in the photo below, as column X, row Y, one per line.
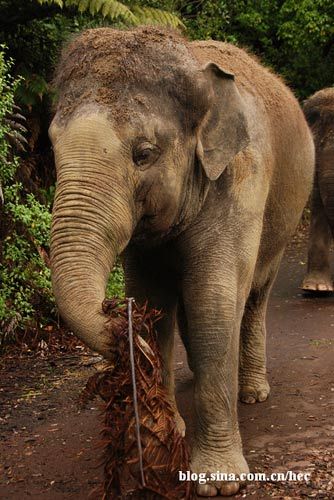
column 49, row 447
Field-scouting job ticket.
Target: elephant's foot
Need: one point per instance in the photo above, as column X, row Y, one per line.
column 231, row 464
column 251, row 391
column 178, row 420
column 318, row 282
column 179, row 423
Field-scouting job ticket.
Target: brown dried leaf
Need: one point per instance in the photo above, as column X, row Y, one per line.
column 164, row 450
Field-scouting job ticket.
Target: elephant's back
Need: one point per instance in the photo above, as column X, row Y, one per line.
column 322, row 101
column 250, row 74
column 319, row 112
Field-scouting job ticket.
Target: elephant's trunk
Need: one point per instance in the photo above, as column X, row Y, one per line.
column 92, row 223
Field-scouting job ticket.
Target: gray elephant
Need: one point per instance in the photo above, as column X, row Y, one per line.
column 319, row 112
column 194, row 162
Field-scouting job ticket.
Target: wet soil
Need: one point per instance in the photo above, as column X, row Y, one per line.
column 49, row 446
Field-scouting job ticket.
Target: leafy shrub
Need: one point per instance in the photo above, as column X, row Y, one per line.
column 7, row 89
column 25, row 291
column 115, row 287
column 35, row 44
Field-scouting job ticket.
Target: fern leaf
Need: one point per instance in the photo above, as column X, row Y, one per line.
column 60, row 3
column 83, row 5
column 95, row 6
column 71, row 3
column 114, row 9
column 150, row 15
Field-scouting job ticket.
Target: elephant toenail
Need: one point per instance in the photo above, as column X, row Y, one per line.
column 229, row 489
column 247, row 398
column 262, row 396
column 206, row 490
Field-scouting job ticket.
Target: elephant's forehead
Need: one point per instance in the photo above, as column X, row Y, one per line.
column 107, row 67
column 123, row 55
column 132, row 106
column 127, row 123
column 152, row 126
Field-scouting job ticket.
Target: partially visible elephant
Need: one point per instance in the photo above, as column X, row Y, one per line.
column 194, row 162
column 319, row 112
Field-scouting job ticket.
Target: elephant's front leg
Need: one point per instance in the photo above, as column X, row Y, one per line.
column 148, row 280
column 214, row 309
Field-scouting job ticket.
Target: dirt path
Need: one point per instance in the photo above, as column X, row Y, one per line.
column 48, row 447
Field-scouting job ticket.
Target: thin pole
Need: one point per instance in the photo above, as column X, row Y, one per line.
column 134, row 388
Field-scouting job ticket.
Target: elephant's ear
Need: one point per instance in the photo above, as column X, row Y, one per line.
column 223, row 132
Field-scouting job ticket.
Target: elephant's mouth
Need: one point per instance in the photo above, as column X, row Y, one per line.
column 145, row 222
column 151, row 230
column 147, row 230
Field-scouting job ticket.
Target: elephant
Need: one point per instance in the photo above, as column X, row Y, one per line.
column 319, row 112
column 192, row 162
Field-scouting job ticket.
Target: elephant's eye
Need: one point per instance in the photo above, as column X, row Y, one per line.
column 145, row 154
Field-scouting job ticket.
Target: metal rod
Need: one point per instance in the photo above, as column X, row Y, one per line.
column 134, row 387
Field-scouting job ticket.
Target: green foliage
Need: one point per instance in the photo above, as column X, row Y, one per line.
column 25, row 291
column 205, row 19
column 115, row 287
column 294, row 38
column 25, row 287
column 7, row 89
column 113, row 9
column 306, row 36
column 35, row 44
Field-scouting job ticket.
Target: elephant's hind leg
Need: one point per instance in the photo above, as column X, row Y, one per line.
column 318, row 278
column 182, row 327
column 253, row 383
column 166, row 328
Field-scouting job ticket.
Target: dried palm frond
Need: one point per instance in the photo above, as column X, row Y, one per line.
column 164, row 451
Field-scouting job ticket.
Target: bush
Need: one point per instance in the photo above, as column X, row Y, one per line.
column 25, row 291
column 115, row 287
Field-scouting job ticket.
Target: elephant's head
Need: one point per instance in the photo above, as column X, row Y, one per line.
column 139, row 132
